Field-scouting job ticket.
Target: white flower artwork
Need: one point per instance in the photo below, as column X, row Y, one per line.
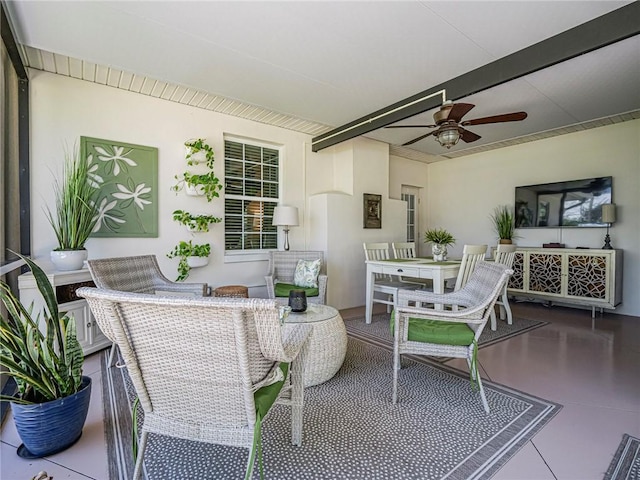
column 126, row 176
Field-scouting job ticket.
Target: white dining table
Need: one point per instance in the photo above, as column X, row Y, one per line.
column 439, row 272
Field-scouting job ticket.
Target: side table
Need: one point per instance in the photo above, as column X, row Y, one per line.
column 327, row 342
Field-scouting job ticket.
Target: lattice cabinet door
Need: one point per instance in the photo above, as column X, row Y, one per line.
column 516, row 282
column 545, row 273
column 587, row 276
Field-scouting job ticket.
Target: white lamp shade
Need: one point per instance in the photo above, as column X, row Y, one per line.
column 285, row 215
column 609, row 213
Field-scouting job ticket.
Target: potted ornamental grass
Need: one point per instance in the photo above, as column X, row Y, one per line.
column 75, row 215
column 440, row 239
column 41, row 352
column 504, row 223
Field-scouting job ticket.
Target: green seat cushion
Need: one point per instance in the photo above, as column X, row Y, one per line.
column 437, row 331
column 265, row 396
column 283, row 289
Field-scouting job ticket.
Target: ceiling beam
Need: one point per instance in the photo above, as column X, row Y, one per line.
column 592, row 35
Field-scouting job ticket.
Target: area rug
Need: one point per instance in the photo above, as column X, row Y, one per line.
column 626, row 462
column 378, row 333
column 437, row 430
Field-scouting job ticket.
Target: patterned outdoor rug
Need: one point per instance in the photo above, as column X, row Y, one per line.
column 626, row 462
column 351, row 429
column 378, row 333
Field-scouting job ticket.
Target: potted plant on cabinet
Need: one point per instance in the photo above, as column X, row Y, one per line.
column 52, row 398
column 195, row 223
column 76, row 213
column 191, row 256
column 503, row 223
column 440, row 240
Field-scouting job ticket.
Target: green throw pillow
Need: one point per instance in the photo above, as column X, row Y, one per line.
column 283, row 289
column 306, row 274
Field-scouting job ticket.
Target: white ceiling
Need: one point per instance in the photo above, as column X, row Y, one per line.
column 329, row 63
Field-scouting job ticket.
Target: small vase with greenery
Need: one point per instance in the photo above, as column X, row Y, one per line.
column 195, row 223
column 503, row 223
column 76, row 212
column 197, row 151
column 206, row 184
column 46, row 363
column 440, row 240
column 191, row 256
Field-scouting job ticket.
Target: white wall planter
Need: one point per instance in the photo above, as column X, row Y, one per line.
column 195, row 262
column 194, row 190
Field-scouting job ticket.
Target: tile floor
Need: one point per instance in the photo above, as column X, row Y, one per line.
column 593, row 373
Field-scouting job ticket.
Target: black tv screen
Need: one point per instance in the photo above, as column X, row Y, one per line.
column 575, row 203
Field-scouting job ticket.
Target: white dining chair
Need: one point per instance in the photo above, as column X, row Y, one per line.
column 505, row 254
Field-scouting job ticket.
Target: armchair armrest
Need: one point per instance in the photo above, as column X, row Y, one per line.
column 270, row 284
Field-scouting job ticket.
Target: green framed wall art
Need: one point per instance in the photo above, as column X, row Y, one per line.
column 126, row 176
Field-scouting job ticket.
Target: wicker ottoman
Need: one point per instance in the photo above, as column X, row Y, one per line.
column 327, row 342
column 234, row 291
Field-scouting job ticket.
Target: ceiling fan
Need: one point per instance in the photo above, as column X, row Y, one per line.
column 449, row 125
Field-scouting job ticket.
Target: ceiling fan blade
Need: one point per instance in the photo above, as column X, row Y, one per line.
column 505, row 117
column 411, row 126
column 468, row 136
column 459, row 110
column 411, row 142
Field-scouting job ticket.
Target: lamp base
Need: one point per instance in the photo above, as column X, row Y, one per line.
column 607, row 243
column 286, row 239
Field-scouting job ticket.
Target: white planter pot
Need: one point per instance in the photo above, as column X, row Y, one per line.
column 66, row 260
column 195, row 262
column 439, row 252
column 197, row 157
column 194, row 190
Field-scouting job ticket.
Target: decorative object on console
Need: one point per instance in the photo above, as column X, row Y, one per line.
column 372, row 210
column 553, row 245
column 298, row 300
column 503, row 223
column 286, row 217
column 609, row 217
column 76, row 213
column 440, row 240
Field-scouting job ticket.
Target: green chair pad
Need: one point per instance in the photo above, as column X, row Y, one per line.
column 265, row 396
column 437, row 331
column 283, row 289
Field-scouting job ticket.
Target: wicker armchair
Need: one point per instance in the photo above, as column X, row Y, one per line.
column 203, row 371
column 448, row 333
column 282, row 266
column 139, row 274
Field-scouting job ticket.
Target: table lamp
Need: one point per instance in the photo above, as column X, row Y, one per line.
column 287, row 217
column 608, row 217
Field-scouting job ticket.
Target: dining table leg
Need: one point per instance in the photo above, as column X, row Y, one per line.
column 369, row 295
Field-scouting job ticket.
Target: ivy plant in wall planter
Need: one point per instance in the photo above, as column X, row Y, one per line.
column 197, row 152
column 206, row 184
column 195, row 223
column 191, row 256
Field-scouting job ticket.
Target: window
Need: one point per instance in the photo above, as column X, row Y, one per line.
column 410, row 195
column 252, row 173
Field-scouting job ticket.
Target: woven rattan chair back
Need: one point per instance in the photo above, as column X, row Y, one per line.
column 473, row 305
column 282, row 267
column 137, row 274
column 471, row 255
column 196, row 362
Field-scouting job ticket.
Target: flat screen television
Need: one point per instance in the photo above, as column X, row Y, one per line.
column 575, row 203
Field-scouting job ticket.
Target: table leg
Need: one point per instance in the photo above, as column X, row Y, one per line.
column 369, row 295
column 438, row 286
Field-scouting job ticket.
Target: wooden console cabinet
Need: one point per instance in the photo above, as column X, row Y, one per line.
column 65, row 285
column 591, row 277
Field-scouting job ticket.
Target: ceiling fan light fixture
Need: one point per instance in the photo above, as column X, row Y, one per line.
column 448, row 137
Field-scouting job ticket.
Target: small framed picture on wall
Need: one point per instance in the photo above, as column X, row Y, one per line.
column 372, row 213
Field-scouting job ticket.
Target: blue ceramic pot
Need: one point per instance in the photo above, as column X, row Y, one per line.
column 50, row 427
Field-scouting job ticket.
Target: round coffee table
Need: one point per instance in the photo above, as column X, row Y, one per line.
column 327, row 342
